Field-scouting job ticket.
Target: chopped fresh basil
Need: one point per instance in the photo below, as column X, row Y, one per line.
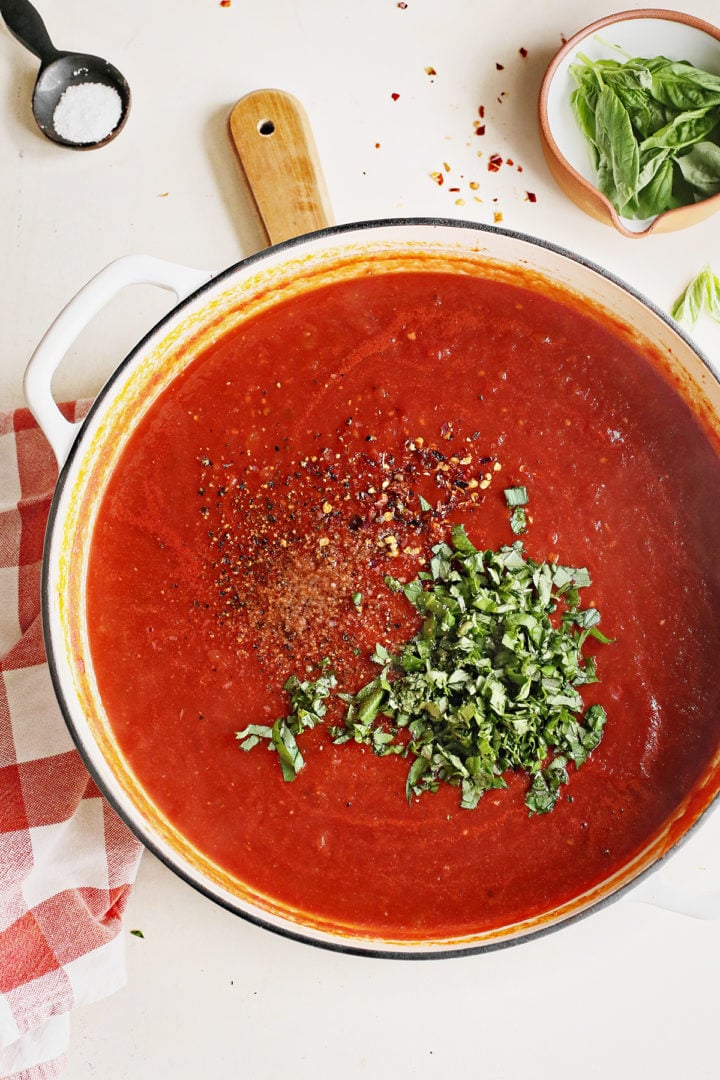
column 253, row 734
column 701, row 297
column 308, row 707
column 516, row 496
column 518, row 520
column 487, row 686
column 652, row 127
column 489, row 683
column 517, row 499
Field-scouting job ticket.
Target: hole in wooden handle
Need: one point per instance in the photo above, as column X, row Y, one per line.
column 275, row 144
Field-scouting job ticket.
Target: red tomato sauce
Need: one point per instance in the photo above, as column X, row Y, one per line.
column 283, row 472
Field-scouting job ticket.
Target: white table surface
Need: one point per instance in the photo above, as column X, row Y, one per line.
column 629, row 992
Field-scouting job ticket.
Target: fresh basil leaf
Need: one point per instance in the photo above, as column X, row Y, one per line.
column 584, row 104
column 586, row 618
column 461, row 541
column 542, row 797
column 252, row 735
column 700, row 167
column 702, row 296
column 490, row 683
column 369, row 703
column 307, row 701
column 684, row 87
column 657, row 195
column 618, row 153
column 283, row 740
column 516, row 496
column 684, row 130
column 518, row 520
column 653, row 130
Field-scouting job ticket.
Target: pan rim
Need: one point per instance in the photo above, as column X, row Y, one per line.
column 288, row 929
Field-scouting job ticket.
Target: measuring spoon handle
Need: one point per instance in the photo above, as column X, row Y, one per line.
column 24, row 23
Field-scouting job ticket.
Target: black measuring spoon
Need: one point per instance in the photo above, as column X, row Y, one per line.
column 79, row 100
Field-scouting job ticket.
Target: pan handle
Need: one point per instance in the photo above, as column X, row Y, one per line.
column 92, row 297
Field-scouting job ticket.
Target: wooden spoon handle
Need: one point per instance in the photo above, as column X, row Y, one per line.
column 275, row 144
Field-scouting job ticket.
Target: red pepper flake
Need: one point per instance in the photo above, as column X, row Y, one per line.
column 497, row 217
column 479, row 128
column 499, row 67
column 430, row 71
column 402, row 5
column 509, row 161
column 225, row 3
column 438, row 178
column 454, row 189
column 494, row 163
column 523, row 51
column 531, row 196
column 377, row 145
column 481, row 112
column 394, row 96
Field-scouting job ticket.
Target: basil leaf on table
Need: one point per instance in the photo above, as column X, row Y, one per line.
column 702, row 296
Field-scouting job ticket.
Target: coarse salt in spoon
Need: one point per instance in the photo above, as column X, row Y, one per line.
column 79, row 100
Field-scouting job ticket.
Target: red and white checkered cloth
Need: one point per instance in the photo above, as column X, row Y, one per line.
column 67, row 863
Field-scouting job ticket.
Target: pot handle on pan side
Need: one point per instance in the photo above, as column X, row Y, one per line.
column 128, row 270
